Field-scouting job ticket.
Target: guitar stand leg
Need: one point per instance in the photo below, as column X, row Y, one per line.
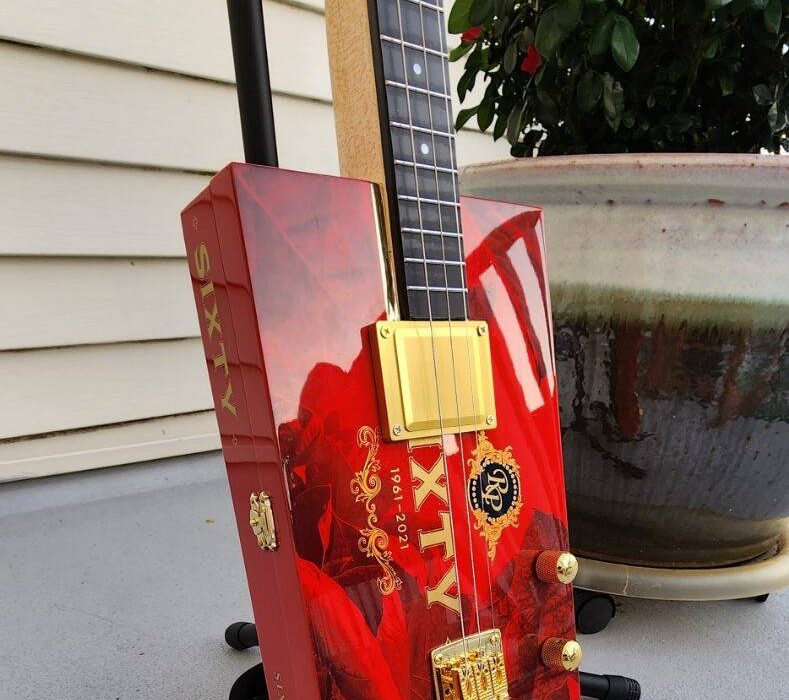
column 241, row 635
column 250, row 685
column 609, row 687
column 593, row 611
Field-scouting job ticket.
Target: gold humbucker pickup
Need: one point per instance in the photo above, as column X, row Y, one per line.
column 471, row 668
column 434, row 377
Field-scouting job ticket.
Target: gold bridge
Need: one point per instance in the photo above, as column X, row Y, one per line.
column 434, row 377
column 471, row 668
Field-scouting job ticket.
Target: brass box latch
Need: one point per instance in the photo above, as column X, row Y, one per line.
column 261, row 520
column 434, row 377
column 471, row 668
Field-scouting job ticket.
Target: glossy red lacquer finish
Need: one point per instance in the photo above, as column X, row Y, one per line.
column 295, row 282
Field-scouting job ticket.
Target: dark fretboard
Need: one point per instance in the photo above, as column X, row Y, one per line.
column 423, row 179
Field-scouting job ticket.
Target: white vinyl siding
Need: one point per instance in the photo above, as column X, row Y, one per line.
column 112, row 117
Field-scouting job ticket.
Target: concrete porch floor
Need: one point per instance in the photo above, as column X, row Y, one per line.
column 118, row 584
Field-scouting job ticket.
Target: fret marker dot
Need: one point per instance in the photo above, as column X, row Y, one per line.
column 425, row 149
column 417, row 69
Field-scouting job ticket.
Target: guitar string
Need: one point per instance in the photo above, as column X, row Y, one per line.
column 448, row 110
column 464, row 284
column 430, row 321
column 464, row 273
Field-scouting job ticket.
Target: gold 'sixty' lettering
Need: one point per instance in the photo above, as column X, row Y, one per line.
column 202, row 261
column 427, row 481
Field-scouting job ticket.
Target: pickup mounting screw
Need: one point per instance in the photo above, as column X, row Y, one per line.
column 396, row 430
column 481, row 330
column 490, row 420
column 386, row 331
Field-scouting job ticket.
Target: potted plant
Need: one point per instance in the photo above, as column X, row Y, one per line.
column 668, row 238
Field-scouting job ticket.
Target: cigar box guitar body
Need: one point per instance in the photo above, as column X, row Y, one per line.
column 380, row 354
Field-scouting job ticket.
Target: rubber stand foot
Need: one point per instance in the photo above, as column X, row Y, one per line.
column 593, row 611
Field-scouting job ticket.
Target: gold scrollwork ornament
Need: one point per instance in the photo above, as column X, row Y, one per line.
column 366, row 485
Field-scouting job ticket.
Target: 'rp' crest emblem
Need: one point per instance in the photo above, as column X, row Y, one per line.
column 494, row 491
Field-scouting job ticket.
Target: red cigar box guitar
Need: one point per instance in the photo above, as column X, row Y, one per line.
column 380, row 354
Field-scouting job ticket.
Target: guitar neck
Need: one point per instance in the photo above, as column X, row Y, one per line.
column 392, row 99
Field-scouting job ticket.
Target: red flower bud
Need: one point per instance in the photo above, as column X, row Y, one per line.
column 532, row 61
column 471, row 35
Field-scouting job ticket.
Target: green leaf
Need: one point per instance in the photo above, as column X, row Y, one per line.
column 762, row 94
column 480, row 10
column 624, row 43
column 629, row 119
column 568, row 14
column 525, row 38
column 712, row 48
column 500, row 27
column 514, row 123
column 589, row 91
column 485, row 114
column 466, row 82
column 511, row 57
column 547, row 108
column 715, row 4
column 500, row 127
column 726, row 82
column 613, row 101
column 464, row 115
column 679, row 123
column 772, row 117
column 772, row 16
column 549, row 33
column 759, row 4
column 601, row 35
column 461, row 50
column 458, row 17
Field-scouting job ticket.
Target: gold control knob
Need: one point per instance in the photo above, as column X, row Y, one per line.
column 556, row 566
column 561, row 654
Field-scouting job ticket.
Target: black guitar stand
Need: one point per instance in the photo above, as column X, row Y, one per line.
column 251, row 685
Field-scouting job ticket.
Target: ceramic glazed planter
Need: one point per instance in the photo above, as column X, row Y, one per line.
column 670, row 287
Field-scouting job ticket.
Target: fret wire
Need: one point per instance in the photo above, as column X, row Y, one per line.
column 430, row 261
column 422, row 129
column 438, row 7
column 411, row 198
column 416, row 47
column 425, row 166
column 414, row 88
column 430, row 232
column 432, row 288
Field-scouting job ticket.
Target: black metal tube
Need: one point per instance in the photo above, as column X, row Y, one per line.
column 609, row 687
column 594, row 686
column 248, row 36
